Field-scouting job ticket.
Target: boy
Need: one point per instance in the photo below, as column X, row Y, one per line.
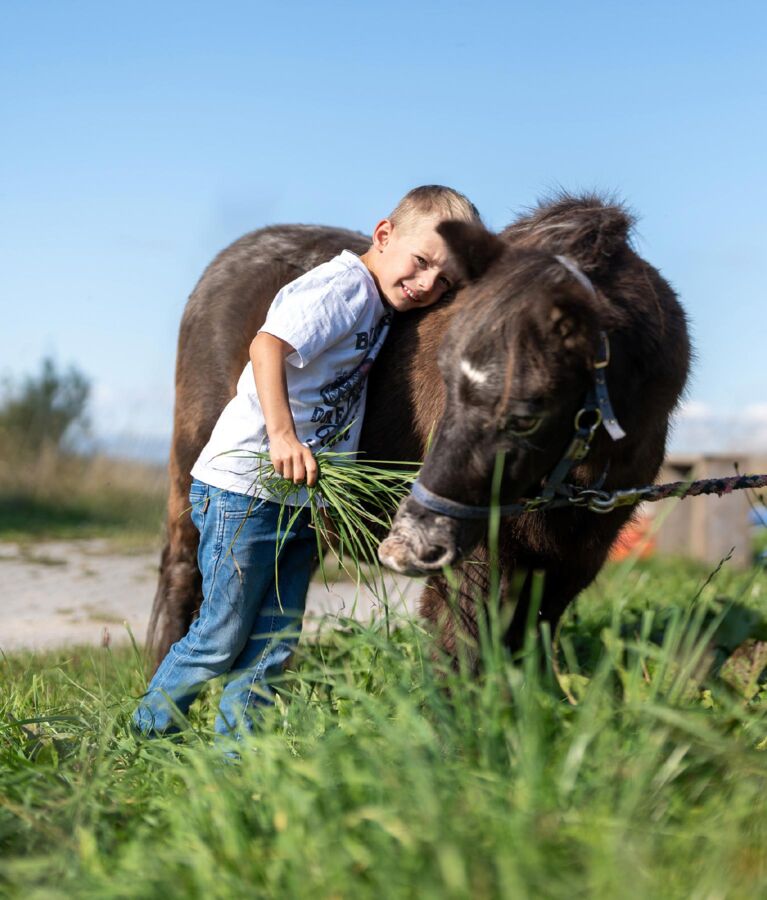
column 305, row 386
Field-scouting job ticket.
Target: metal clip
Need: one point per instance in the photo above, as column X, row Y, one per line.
column 628, row 497
column 601, row 505
column 591, row 498
column 607, row 502
column 579, row 448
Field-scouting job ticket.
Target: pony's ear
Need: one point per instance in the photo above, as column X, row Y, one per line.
column 574, row 326
column 473, row 246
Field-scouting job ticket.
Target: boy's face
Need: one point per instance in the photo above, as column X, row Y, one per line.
column 411, row 263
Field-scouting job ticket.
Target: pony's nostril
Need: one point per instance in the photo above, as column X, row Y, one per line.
column 435, row 554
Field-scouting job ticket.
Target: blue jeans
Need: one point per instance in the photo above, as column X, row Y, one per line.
column 249, row 621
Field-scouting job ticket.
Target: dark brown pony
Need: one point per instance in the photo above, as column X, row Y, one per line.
column 519, row 316
column 563, row 299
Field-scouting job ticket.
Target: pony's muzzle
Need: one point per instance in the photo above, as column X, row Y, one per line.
column 396, row 552
column 419, row 542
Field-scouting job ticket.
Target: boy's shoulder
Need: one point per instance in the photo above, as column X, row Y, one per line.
column 345, row 275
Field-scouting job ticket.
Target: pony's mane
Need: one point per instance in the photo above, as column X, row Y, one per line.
column 590, row 228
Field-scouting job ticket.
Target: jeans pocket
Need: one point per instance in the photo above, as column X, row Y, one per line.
column 240, row 506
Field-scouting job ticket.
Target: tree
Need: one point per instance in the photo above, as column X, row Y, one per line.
column 45, row 410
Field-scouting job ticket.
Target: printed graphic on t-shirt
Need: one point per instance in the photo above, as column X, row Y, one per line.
column 334, row 317
column 342, row 396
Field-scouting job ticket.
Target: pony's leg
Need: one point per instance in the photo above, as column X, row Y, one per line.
column 560, row 586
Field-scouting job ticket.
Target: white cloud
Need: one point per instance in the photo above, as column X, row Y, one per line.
column 694, row 409
column 757, row 412
column 699, row 428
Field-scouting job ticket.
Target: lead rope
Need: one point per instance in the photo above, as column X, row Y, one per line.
column 607, row 501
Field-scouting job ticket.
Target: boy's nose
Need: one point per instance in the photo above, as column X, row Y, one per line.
column 426, row 281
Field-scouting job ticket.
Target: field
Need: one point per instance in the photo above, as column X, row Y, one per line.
column 53, row 496
column 637, row 769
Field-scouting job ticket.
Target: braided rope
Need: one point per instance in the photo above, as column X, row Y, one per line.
column 719, row 486
column 606, row 501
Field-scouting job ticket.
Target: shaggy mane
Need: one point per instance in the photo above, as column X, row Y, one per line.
column 591, row 228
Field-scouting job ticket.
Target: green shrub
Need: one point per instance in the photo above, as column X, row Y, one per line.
column 47, row 410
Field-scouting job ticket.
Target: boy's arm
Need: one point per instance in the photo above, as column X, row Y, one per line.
column 289, row 456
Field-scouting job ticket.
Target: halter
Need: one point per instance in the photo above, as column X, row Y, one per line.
column 596, row 410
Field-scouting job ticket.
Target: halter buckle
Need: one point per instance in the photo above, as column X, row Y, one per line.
column 603, row 360
column 597, row 419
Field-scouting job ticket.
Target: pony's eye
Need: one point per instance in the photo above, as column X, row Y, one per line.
column 521, row 426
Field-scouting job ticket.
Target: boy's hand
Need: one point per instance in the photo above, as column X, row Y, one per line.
column 293, row 460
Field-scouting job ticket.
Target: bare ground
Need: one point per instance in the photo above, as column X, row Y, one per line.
column 85, row 592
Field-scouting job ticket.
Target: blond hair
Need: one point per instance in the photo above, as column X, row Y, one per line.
column 433, row 201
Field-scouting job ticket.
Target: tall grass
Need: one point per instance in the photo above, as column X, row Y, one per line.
column 386, row 773
column 62, row 496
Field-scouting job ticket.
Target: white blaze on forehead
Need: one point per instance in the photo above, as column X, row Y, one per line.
column 475, row 375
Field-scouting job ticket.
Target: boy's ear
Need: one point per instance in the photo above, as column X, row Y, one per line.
column 473, row 246
column 382, row 233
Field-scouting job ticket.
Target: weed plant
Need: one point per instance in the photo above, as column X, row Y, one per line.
column 384, row 772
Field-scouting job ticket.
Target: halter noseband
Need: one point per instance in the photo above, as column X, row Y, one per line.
column 596, row 410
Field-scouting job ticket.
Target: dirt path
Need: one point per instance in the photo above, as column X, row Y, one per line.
column 78, row 592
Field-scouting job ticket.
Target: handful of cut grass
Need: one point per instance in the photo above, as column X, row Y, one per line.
column 351, row 499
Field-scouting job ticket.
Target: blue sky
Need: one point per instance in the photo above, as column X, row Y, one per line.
column 139, row 139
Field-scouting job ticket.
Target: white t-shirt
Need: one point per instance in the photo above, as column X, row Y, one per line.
column 334, row 318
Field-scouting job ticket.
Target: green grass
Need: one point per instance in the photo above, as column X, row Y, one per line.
column 386, row 775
